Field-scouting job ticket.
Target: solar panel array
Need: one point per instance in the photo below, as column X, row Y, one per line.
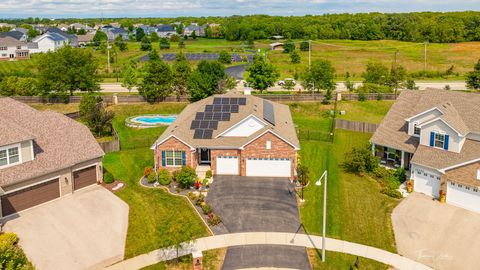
column 204, row 56
column 207, row 121
column 268, row 113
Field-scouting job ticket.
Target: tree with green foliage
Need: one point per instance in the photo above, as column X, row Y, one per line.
column 348, row 83
column 157, row 83
column 81, row 32
column 153, row 55
column 224, row 57
column 376, row 73
column 288, row 85
column 129, row 75
column 397, row 77
column 194, row 34
column 94, row 114
column 303, row 175
column 32, row 33
column 164, row 44
column 154, row 37
column 139, row 34
column 360, row 160
column 207, row 79
column 18, row 86
column 181, row 44
column 304, row 46
column 145, row 45
column 186, row 176
column 67, row 70
column 288, row 46
column 120, row 43
column 174, row 38
column 473, row 77
column 181, row 73
column 410, row 85
column 261, row 73
column 179, row 29
column 99, row 38
column 320, row 76
column 295, row 57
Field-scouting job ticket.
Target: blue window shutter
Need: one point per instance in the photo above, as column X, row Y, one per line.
column 184, row 159
column 445, row 145
column 432, row 138
column 164, row 163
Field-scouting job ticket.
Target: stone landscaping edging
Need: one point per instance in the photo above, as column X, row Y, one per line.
column 270, row 238
column 180, row 195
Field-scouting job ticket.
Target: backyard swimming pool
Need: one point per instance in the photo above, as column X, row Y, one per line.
column 145, row 121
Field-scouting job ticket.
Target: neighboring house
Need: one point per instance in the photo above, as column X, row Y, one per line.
column 234, row 135
column 194, row 27
column 79, row 26
column 43, row 156
column 113, row 32
column 147, row 29
column 20, row 36
column 85, row 39
column 63, row 27
column 12, row 49
column 165, row 30
column 72, row 39
column 436, row 135
column 276, row 46
column 7, row 25
column 48, row 42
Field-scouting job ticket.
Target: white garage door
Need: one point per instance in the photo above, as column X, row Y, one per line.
column 278, row 167
column 426, row 183
column 462, row 196
column 227, row 165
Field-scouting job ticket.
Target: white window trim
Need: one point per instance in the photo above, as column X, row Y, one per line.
column 20, row 158
column 478, row 174
column 435, row 139
column 173, row 157
column 416, row 125
column 268, row 145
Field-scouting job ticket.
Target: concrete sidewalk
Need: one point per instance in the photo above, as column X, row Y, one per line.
column 270, row 238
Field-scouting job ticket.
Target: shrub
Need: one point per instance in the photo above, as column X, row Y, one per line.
column 213, row 219
column 208, row 174
column 192, row 196
column 186, row 176
column 147, row 171
column 151, row 178
column 207, row 209
column 107, row 177
column 361, row 96
column 199, row 200
column 164, row 177
column 8, row 239
column 373, row 88
column 303, row 174
column 379, row 97
column 360, row 160
column 392, row 193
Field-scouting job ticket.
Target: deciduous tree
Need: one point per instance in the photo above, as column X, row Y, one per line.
column 157, row 83
column 261, row 73
column 473, row 77
column 129, row 75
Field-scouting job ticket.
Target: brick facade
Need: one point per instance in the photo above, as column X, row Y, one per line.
column 174, row 144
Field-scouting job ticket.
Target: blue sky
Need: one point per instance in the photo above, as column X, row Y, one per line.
column 171, row 8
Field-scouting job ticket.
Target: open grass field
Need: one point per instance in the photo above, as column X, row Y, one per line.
column 356, row 210
column 61, row 108
column 371, row 111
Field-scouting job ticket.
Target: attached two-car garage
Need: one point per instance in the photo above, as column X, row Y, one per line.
column 463, row 196
column 268, row 167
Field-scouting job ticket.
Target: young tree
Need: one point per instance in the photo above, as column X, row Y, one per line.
column 164, row 44
column 295, row 57
column 194, row 34
column 146, row 45
column 224, row 57
column 410, row 85
column 304, row 46
column 97, row 118
column 348, row 83
column 473, row 77
column 99, row 37
column 181, row 44
column 360, row 160
column 174, row 38
column 376, row 73
column 129, row 75
column 181, row 73
column 320, row 76
column 154, row 37
column 288, row 47
column 261, row 73
column 209, row 78
column 288, row 85
column 153, row 55
column 67, row 70
column 397, row 77
column 303, row 175
column 120, row 43
column 139, row 34
column 157, row 83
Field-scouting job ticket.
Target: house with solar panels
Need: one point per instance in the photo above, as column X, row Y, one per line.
column 231, row 135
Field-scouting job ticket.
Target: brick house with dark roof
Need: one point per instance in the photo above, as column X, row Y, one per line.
column 232, row 135
column 435, row 134
column 43, row 156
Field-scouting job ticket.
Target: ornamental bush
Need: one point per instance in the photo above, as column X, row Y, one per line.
column 147, row 171
column 164, row 177
column 107, row 177
column 207, row 209
column 186, row 176
column 151, row 178
column 208, row 174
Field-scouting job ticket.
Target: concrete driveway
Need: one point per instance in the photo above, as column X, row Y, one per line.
column 85, row 230
column 439, row 235
column 258, row 204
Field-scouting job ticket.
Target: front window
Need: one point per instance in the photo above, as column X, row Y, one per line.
column 173, row 158
column 9, row 156
column 439, row 140
column 416, row 130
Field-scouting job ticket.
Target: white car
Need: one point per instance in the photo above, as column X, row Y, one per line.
column 287, row 79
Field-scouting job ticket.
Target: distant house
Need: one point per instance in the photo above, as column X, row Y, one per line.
column 18, row 35
column 194, row 27
column 72, row 39
column 7, row 25
column 147, row 29
column 48, row 42
column 79, row 26
column 11, row 49
column 85, row 39
column 114, row 32
column 276, row 46
column 63, row 27
column 165, row 30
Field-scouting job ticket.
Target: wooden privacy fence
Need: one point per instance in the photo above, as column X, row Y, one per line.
column 369, row 96
column 111, row 146
column 355, row 126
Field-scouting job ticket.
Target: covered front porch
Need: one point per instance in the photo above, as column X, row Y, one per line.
column 392, row 158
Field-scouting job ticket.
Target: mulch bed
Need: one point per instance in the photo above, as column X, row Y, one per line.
column 114, row 184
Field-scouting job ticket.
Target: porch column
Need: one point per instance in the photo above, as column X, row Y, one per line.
column 373, row 149
column 402, row 161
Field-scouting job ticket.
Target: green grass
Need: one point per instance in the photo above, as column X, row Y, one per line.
column 335, row 260
column 61, row 108
column 212, row 260
column 156, row 218
column 370, row 111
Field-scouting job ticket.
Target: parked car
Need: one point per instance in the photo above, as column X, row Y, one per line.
column 282, row 82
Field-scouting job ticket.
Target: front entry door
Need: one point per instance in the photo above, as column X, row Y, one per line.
column 204, row 156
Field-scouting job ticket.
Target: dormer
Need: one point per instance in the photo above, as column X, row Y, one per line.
column 415, row 121
column 16, row 153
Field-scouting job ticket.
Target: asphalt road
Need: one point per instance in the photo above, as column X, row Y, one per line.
column 255, row 204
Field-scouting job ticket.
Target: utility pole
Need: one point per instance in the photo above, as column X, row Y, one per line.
column 309, row 53
column 108, row 57
column 425, row 57
column 324, row 229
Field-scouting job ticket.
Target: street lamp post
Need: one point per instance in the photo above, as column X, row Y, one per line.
column 319, row 183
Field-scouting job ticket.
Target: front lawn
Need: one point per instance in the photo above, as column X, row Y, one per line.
column 156, row 218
